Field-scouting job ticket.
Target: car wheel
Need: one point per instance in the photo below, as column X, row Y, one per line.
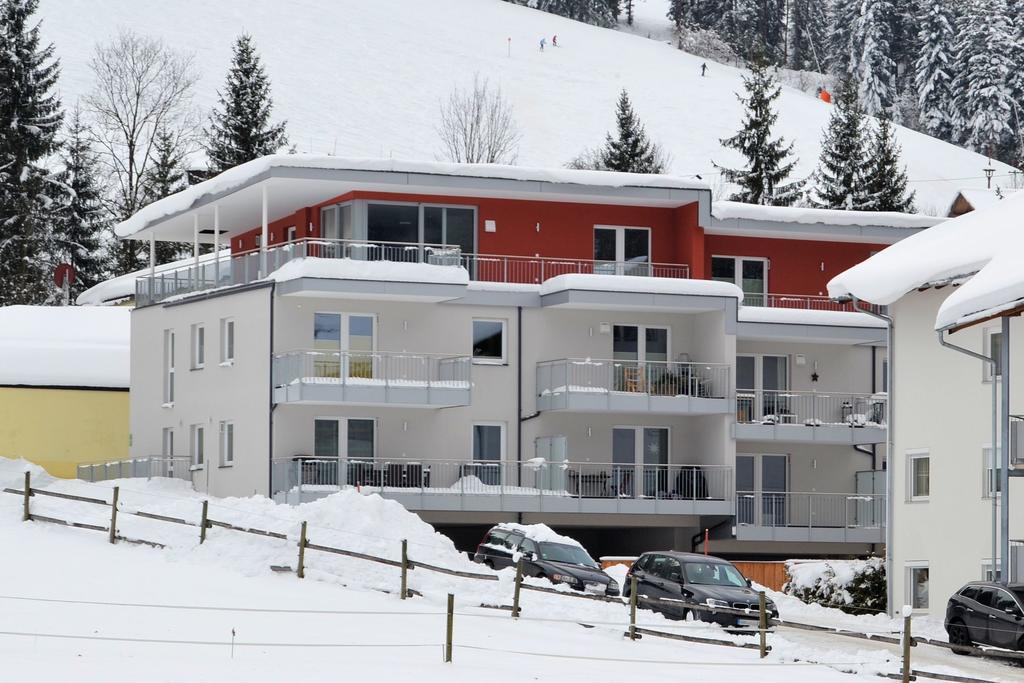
column 958, row 635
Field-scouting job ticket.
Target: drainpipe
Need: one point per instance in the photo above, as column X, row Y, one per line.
column 1004, row 459
column 890, row 505
column 995, row 432
column 270, row 415
column 519, row 396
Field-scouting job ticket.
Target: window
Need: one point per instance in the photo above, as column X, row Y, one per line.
column 993, row 340
column 258, row 241
column 289, row 234
column 168, row 367
column 917, row 586
column 336, row 222
column 197, row 447
column 450, row 225
column 227, row 341
column 198, row 347
column 749, row 274
column 227, row 443
column 488, row 442
column 622, row 251
column 991, row 481
column 990, row 571
column 918, row 476
column 1004, row 602
column 167, row 442
column 345, row 345
column 352, row 438
column 393, row 223
column 489, row 341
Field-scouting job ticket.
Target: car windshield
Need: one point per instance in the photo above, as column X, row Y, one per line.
column 570, row 554
column 1019, row 592
column 713, row 574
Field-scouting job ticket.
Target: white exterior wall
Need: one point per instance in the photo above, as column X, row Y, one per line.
column 943, row 407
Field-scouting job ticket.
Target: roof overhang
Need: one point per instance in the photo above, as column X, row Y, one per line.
column 821, row 232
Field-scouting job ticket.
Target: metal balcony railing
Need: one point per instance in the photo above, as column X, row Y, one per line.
column 810, row 510
column 537, row 269
column 371, row 368
column 653, row 378
column 808, row 302
column 535, row 477
column 810, row 408
column 172, row 466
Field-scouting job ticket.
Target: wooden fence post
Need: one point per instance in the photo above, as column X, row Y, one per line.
column 405, row 568
column 450, row 627
column 632, row 607
column 203, row 523
column 906, row 645
column 302, row 552
column 113, row 517
column 519, row 583
column 26, row 516
column 762, row 623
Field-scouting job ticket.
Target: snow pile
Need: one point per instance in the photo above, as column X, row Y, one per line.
column 855, row 586
column 378, row 271
column 802, row 316
column 641, row 285
column 65, row 346
column 540, row 533
column 725, row 210
column 122, row 287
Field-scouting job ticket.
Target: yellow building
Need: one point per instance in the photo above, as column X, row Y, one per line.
column 64, row 375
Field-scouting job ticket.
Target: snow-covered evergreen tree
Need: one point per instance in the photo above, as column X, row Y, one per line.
column 240, row 128
column 933, row 71
column 680, row 13
column 842, row 165
column 80, row 222
column 596, row 12
column 630, row 150
column 886, row 180
column 166, row 176
column 843, row 53
column 808, row 35
column 30, row 119
column 764, row 180
column 985, row 66
column 876, row 71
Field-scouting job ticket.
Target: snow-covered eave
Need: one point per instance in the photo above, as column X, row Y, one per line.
column 293, row 181
column 1008, row 309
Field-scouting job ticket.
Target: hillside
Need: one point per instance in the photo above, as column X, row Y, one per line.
column 360, row 78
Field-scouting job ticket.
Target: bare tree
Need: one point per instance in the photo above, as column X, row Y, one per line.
column 477, row 126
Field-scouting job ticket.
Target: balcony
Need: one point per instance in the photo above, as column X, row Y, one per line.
column 810, row 517
column 536, row 485
column 802, row 302
column 589, row 385
column 371, row 378
column 823, row 417
column 537, row 269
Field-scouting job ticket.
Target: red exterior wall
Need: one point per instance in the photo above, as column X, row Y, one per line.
column 795, row 266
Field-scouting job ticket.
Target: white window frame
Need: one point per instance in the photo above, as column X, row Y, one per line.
column 227, row 341
column 197, row 445
column 504, row 342
column 912, row 456
column 504, row 438
column 198, row 339
column 908, row 587
column 990, row 481
column 169, row 353
column 342, row 445
column 620, row 240
column 737, row 278
column 641, row 341
column 227, row 443
column 986, row 349
column 290, row 233
column 167, row 441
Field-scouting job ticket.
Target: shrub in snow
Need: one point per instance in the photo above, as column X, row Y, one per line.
column 854, row 586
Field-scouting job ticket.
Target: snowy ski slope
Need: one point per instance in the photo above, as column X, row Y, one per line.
column 361, row 78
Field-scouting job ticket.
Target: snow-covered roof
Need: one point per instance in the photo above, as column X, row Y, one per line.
column 65, row 346
column 802, row 316
column 977, row 198
column 377, row 271
column 984, row 245
column 643, row 285
column 322, row 177
column 122, row 287
column 723, row 210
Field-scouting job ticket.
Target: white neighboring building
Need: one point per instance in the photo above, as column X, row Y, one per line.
column 960, row 277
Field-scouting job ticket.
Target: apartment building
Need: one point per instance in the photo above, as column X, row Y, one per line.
column 952, row 285
column 598, row 351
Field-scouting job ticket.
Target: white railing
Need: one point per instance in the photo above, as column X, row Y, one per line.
column 809, row 302
column 811, row 510
column 537, row 269
column 535, row 477
column 238, row 268
column 654, row 378
column 371, row 368
column 174, row 467
column 810, row 408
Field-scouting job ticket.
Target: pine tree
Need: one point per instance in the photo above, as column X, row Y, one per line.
column 764, row 179
column 843, row 53
column 680, row 13
column 876, row 73
column 240, row 128
column 80, row 222
column 904, row 41
column 982, row 86
column 165, row 177
column 842, row 166
column 596, row 12
column 630, row 151
column 933, row 71
column 886, row 181
column 30, row 119
column 808, row 35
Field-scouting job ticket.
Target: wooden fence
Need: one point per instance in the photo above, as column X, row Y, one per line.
column 769, row 574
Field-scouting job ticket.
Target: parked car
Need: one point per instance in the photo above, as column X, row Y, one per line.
column 664, row 577
column 545, row 554
column 986, row 613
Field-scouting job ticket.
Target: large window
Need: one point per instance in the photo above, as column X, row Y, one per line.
column 168, row 367
column 489, row 442
column 393, row 223
column 622, row 251
column 489, row 342
column 352, row 438
column 917, row 586
column 336, row 222
column 918, row 476
column 449, row 225
column 749, row 274
column 334, row 333
column 227, row 443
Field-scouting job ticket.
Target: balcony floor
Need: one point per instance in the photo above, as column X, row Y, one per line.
column 750, row 532
column 435, row 395
column 836, row 435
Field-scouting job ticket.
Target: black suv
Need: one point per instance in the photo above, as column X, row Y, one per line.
column 693, row 578
column 556, row 562
column 988, row 613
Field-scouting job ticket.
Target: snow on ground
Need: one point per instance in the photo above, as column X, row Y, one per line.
column 358, row 78
column 64, row 346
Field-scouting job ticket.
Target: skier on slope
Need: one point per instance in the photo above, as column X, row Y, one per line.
column 542, row 42
column 554, row 41
column 703, row 69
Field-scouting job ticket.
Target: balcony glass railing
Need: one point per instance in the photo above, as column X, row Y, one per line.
column 366, row 368
column 652, row 378
column 812, row 510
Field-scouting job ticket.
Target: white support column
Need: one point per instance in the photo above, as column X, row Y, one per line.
column 216, row 244
column 152, row 267
column 195, row 247
column 263, row 238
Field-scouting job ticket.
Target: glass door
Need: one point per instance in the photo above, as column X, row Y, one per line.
column 746, row 386
column 554, row 452
column 655, row 445
column 774, row 383
column 749, row 274
column 774, row 484
column 623, row 462
column 745, row 489
column 622, row 251
column 348, row 440
column 327, row 346
column 639, row 367
column 361, row 358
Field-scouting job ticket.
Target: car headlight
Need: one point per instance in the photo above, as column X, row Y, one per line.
column 712, row 602
column 565, row 578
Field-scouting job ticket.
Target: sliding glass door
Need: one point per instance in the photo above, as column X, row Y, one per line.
column 641, row 355
column 639, row 461
column 749, row 274
column 335, row 333
column 764, row 477
column 622, row 251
